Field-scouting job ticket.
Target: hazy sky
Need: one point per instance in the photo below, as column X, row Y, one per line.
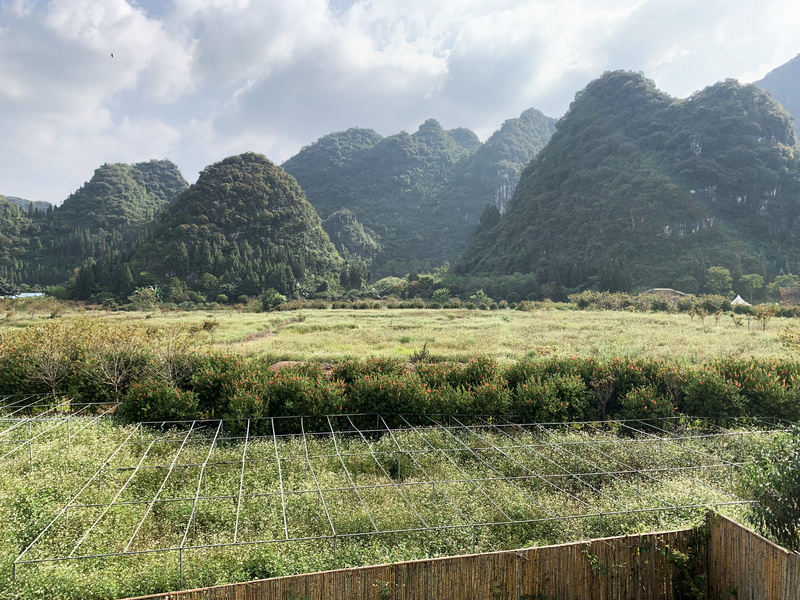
column 198, row 80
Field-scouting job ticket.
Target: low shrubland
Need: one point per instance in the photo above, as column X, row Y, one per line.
column 160, row 374
column 421, row 492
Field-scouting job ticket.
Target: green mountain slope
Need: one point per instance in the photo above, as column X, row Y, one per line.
column 27, row 205
column 637, row 189
column 784, row 84
column 121, row 197
column 243, row 227
column 108, row 214
column 14, row 241
column 421, row 194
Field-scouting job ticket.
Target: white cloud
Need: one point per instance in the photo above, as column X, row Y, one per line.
column 196, row 80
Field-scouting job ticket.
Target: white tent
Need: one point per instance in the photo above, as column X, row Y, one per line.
column 739, row 301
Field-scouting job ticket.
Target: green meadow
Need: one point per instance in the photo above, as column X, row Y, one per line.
column 458, row 334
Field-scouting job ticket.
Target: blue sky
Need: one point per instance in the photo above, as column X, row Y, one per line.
column 198, row 80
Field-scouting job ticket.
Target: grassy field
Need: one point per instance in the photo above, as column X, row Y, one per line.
column 381, row 495
column 506, row 335
column 369, row 499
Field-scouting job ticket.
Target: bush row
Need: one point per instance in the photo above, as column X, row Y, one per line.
column 546, row 390
column 158, row 375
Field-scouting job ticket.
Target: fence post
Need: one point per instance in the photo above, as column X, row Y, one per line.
column 30, row 445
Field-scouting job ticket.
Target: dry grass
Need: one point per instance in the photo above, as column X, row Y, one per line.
column 332, row 335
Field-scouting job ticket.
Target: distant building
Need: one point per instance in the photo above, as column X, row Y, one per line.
column 665, row 292
column 26, row 295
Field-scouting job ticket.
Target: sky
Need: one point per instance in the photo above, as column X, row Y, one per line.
column 84, row 82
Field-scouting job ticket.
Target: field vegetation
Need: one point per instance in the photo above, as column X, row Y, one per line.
column 368, row 496
column 547, row 329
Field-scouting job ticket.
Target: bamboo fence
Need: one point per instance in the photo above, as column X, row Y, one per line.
column 629, row 567
column 726, row 561
column 746, row 566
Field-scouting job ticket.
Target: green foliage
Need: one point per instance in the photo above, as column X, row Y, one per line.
column 555, row 398
column 244, row 227
column 752, row 283
column 645, row 403
column 97, row 225
column 403, row 393
column 15, row 246
column 271, row 298
column 350, row 237
column 155, row 400
column 767, row 387
column 144, row 298
column 718, row 280
column 7, row 288
column 708, row 393
column 773, row 479
column 404, row 187
column 638, row 190
column 212, row 379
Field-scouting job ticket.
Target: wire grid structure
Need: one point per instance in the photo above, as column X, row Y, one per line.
column 26, row 419
column 222, row 484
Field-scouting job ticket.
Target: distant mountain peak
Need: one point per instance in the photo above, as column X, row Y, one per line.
column 638, row 189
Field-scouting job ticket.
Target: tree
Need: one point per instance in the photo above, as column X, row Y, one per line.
column 751, row 283
column 271, row 298
column 764, row 313
column 144, row 298
column 784, row 281
column 7, row 288
column 118, row 356
column 718, row 281
column 54, row 351
column 773, row 479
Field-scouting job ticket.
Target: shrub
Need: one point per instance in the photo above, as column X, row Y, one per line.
column 766, row 389
column 488, row 398
column 302, row 390
column 389, row 394
column 712, row 303
column 352, row 370
column 212, row 378
column 773, row 479
column 14, row 364
column 247, row 402
column 156, row 400
column 475, row 372
column 709, row 394
column 645, row 403
column 555, row 398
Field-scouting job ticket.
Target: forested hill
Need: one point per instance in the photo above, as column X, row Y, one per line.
column 784, row 84
column 122, row 197
column 29, row 205
column 490, row 175
column 422, row 193
column 107, row 214
column 14, row 242
column 245, row 226
column 637, row 189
